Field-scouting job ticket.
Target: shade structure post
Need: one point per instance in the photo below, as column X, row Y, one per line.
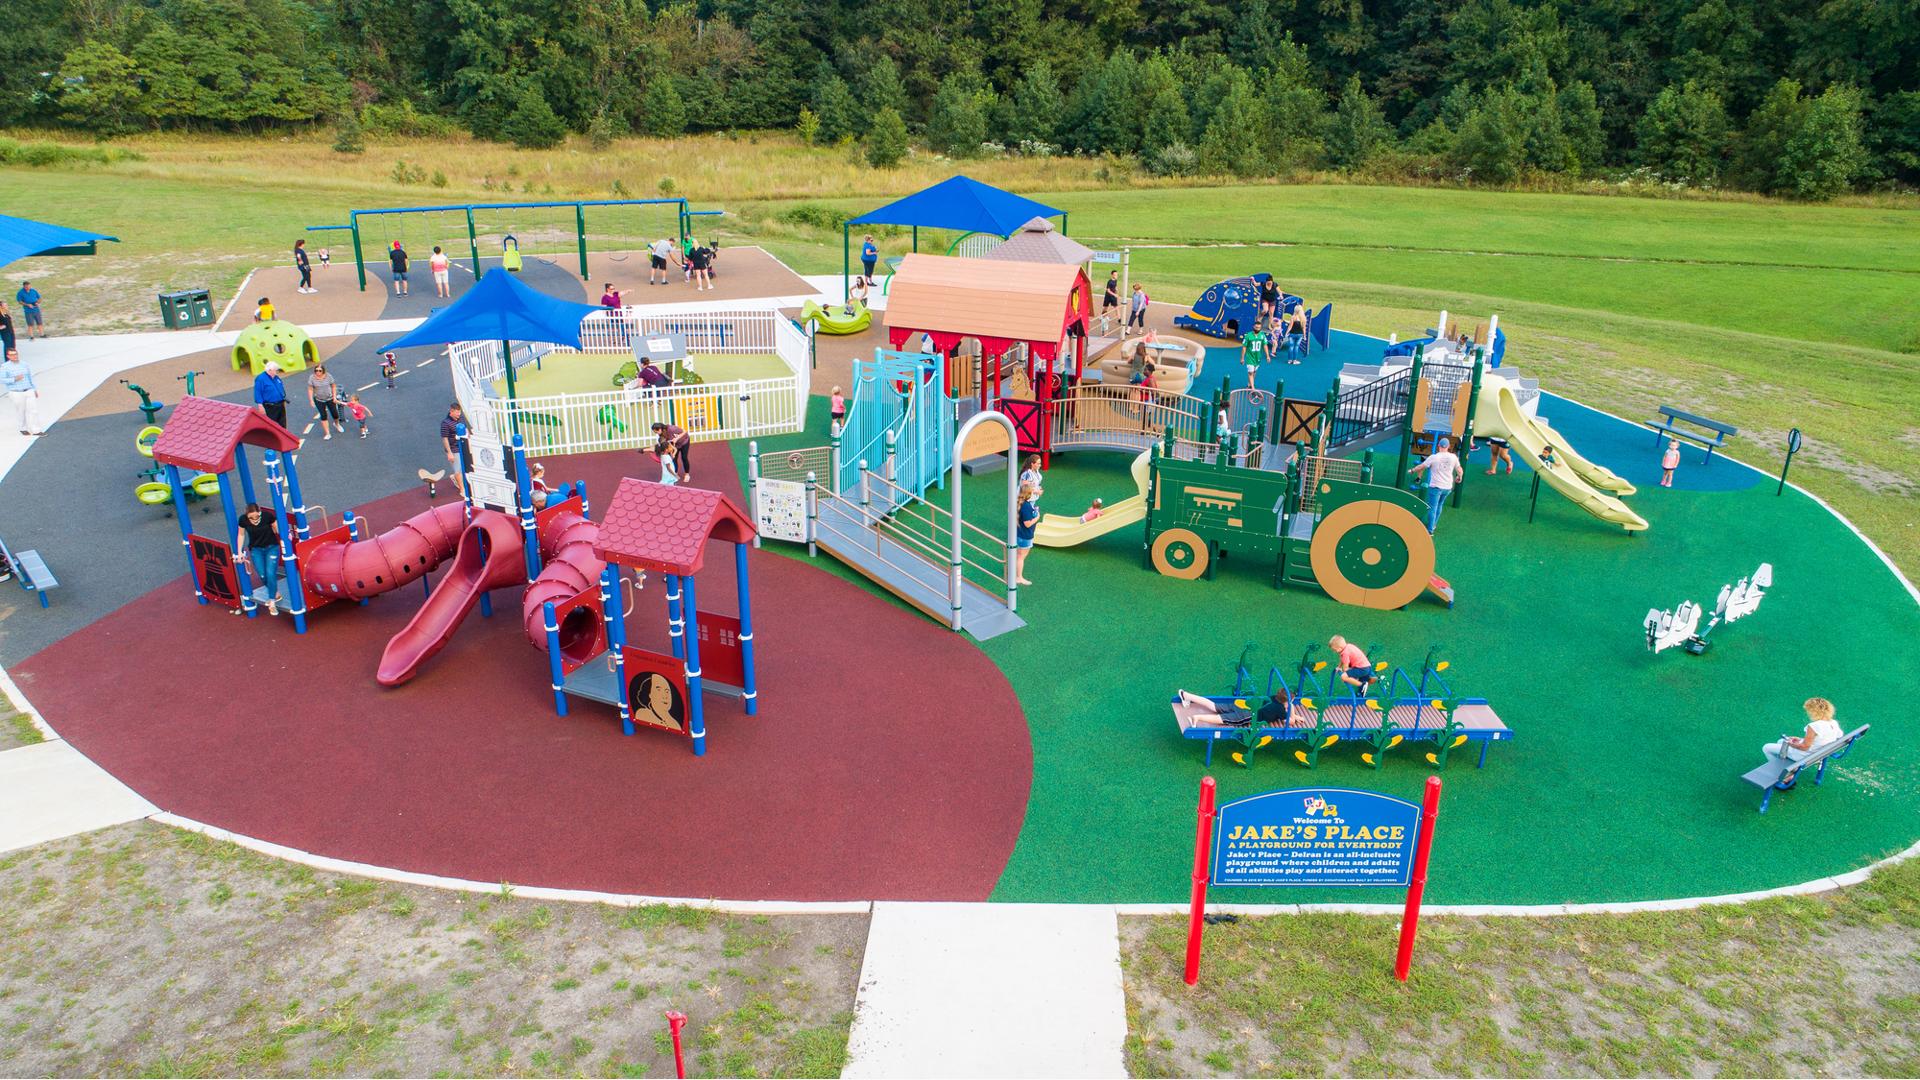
column 473, row 243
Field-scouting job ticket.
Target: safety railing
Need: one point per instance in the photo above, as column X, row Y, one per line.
column 1370, row 409
column 1315, row 468
column 1092, row 414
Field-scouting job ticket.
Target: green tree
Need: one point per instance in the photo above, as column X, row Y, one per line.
column 533, row 125
column 663, row 112
column 881, row 88
column 957, row 122
column 833, row 103
column 1038, row 106
column 1896, row 142
column 1823, row 157
column 347, row 136
column 886, row 139
column 98, row 88
column 1232, row 141
column 1166, row 123
column 1762, row 146
column 1580, row 120
column 1357, row 130
column 1492, row 143
column 808, row 127
column 1683, row 135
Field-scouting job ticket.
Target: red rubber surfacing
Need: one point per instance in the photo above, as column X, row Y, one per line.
column 890, row 758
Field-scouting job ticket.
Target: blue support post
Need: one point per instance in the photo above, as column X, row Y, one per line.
column 523, row 498
column 466, row 453
column 555, row 669
column 616, row 633
column 241, row 466
column 696, row 717
column 289, row 563
column 581, row 487
column 241, row 568
column 353, row 533
column 676, row 623
column 297, row 503
column 749, row 695
column 186, row 529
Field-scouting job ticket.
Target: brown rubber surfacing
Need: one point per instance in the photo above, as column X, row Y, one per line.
column 890, row 758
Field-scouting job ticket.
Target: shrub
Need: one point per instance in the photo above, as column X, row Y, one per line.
column 439, row 179
column 811, row 215
column 809, row 126
column 533, row 125
column 402, row 119
column 403, row 173
column 347, row 137
column 886, row 139
column 1174, row 159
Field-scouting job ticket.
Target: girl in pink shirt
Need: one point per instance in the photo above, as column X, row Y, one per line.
column 837, row 407
column 1669, row 461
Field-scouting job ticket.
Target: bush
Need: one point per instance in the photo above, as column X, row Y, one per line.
column 886, row 139
column 602, row 130
column 403, row 120
column 347, row 137
column 403, row 173
column 439, row 179
column 40, row 155
column 533, row 125
column 811, row 215
column 809, row 126
column 1174, row 159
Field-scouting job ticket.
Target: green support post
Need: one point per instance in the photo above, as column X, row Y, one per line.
column 580, row 234
column 916, row 238
column 1406, row 425
column 473, row 242
column 846, row 264
column 1326, row 416
column 1063, row 223
column 1366, row 467
column 359, row 259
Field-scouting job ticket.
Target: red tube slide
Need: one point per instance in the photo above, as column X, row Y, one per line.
column 569, row 567
column 399, row 556
column 490, row 555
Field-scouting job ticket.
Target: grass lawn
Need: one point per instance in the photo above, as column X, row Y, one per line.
column 592, row 373
column 148, row 951
column 1804, row 986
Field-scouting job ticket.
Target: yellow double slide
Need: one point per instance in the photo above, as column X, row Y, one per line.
column 1593, row 488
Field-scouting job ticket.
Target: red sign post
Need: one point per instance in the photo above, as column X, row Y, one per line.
column 1202, row 858
column 1410, row 919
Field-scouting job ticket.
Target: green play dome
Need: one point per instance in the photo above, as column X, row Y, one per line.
column 276, row 340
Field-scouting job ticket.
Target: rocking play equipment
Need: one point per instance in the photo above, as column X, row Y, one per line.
column 839, row 319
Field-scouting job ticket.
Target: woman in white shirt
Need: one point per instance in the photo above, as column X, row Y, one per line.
column 1822, row 729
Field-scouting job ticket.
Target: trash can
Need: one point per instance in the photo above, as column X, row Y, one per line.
column 202, row 304
column 175, row 309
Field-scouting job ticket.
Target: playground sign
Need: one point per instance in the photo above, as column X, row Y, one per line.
column 1316, row 836
column 1106, row 256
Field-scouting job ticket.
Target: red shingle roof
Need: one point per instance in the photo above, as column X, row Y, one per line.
column 665, row 528
column 202, row 433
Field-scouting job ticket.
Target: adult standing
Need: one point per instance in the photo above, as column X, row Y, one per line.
column 610, row 298
column 258, row 541
column 397, row 259
column 270, row 393
column 676, row 438
column 1270, row 298
column 657, row 257
column 324, row 395
column 304, row 265
column 16, row 381
column 702, row 267
column 458, row 457
column 6, row 329
column 869, row 255
column 29, row 298
column 442, row 268
column 1443, row 471
column 1137, row 309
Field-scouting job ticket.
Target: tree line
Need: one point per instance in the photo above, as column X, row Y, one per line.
column 1807, row 98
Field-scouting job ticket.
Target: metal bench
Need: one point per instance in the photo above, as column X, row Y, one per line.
column 1670, row 417
column 1781, row 774
column 31, row 571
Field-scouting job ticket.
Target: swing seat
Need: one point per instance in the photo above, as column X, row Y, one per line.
column 510, row 259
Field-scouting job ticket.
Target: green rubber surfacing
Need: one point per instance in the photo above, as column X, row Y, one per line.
column 1623, row 780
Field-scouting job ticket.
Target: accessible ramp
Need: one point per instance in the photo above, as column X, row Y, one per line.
column 1591, row 487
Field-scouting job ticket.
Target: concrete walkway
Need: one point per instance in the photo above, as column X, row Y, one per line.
column 965, row 990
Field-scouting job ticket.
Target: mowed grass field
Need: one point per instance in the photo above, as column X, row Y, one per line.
column 1766, row 315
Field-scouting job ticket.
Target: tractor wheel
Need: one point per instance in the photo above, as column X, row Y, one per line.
column 1372, row 554
column 1180, row 553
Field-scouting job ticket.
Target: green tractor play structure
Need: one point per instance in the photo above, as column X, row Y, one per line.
column 1323, row 522
column 277, row 340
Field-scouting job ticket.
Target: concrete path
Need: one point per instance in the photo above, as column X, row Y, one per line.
column 987, row 990
column 50, row 790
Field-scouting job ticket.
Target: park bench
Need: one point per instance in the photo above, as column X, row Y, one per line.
column 1781, row 775
column 31, row 571
column 1716, row 435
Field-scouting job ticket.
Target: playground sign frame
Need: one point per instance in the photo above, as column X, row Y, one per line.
column 1300, row 836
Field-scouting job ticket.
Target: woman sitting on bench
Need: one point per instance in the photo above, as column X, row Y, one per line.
column 1822, row 729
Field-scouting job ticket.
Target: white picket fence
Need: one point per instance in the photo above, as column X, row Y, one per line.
column 622, row 418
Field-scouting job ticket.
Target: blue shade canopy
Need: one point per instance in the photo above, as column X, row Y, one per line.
column 500, row 308
column 20, row 238
column 963, row 204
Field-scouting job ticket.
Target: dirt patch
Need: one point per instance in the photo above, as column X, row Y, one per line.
column 16, row 730
column 144, row 950
column 1806, row 986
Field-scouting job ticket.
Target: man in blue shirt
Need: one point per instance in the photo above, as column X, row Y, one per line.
column 16, row 382
column 270, row 394
column 29, row 298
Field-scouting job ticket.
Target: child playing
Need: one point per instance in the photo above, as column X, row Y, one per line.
column 326, row 258
column 1547, row 460
column 1093, row 511
column 389, row 367
column 837, row 408
column 263, row 310
column 359, row 412
column 1350, row 665
column 1023, row 532
column 537, row 481
column 1669, row 461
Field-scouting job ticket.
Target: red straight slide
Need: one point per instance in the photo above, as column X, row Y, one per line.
column 489, row 556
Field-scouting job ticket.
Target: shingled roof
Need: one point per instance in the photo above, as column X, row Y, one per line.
column 202, row 433
column 665, row 528
column 1012, row 301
